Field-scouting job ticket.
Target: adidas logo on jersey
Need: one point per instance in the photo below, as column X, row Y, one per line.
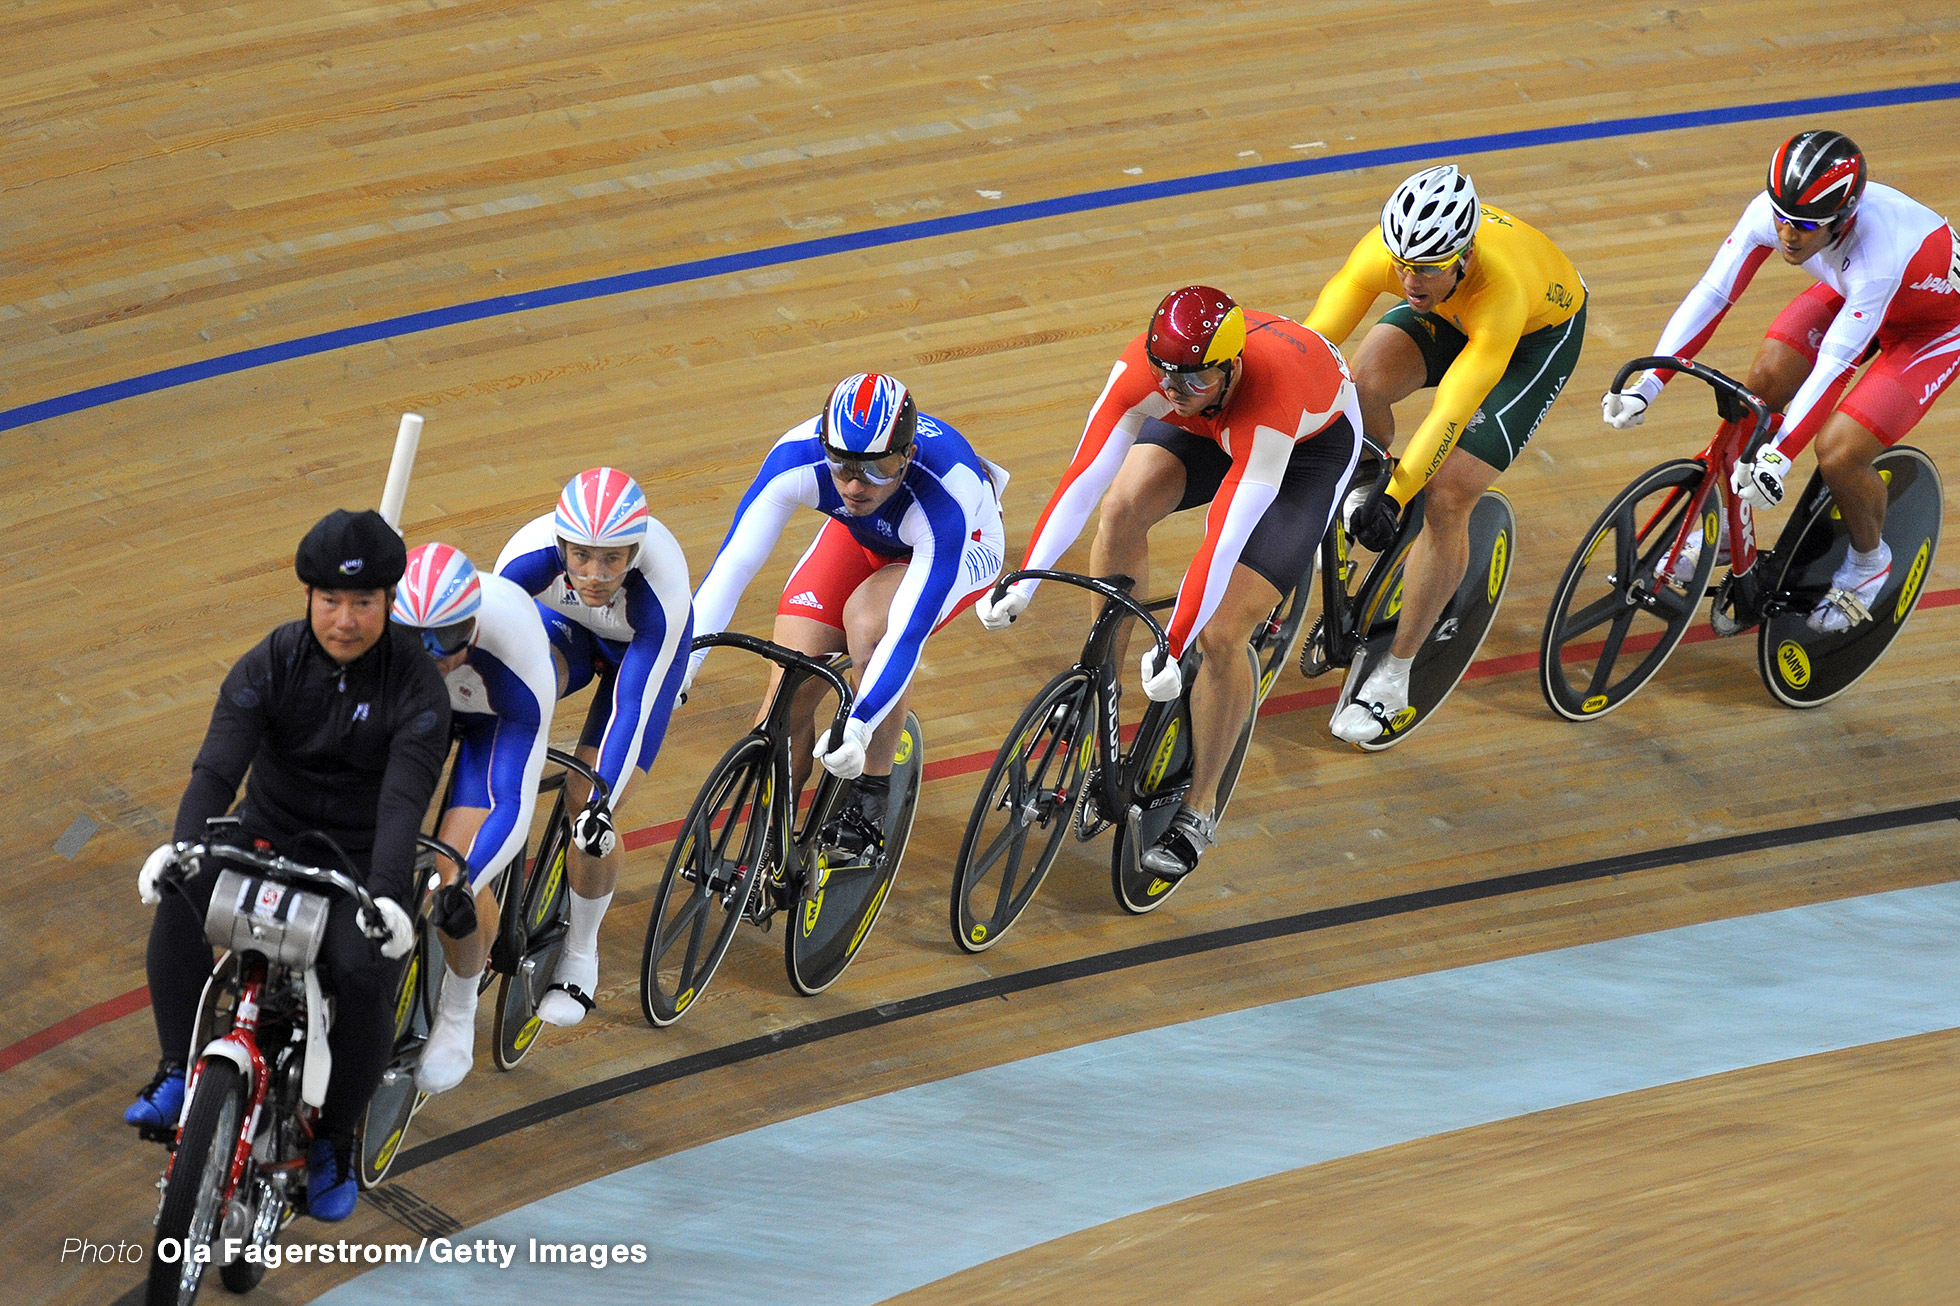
column 807, row 599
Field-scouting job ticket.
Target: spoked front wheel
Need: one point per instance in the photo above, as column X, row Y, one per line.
column 1802, row 667
column 725, row 842
column 194, row 1195
column 1022, row 815
column 1613, row 620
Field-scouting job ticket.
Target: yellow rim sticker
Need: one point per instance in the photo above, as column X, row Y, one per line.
column 810, row 911
column 1914, row 577
column 1402, row 719
column 1156, row 887
column 979, row 933
column 408, row 994
column 1592, row 549
column 1394, row 601
column 1500, row 551
column 1794, row 663
column 680, row 1003
column 529, row 1032
column 864, row 921
column 1593, row 704
column 387, row 1152
column 1159, row 763
column 550, row 890
column 904, row 752
column 1711, row 526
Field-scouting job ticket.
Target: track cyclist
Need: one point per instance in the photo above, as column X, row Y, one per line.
column 343, row 725
column 1245, row 411
column 489, row 645
column 1888, row 289
column 611, row 584
column 914, row 536
column 1493, row 319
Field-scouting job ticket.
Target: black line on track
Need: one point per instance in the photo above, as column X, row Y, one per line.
column 1106, row 963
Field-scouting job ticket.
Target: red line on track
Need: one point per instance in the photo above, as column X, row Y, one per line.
column 137, row 999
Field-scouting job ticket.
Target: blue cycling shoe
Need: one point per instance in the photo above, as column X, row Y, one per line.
column 162, row 1100
column 331, row 1188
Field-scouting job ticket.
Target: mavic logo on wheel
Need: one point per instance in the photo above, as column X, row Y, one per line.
column 1593, row 704
column 1500, row 551
column 1402, row 719
column 1162, row 760
column 1794, row 663
column 1156, row 887
column 811, row 910
column 525, row 1035
column 680, row 1003
column 903, row 754
column 978, row 933
column 1914, row 576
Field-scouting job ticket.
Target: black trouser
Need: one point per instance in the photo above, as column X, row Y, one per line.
column 350, row 967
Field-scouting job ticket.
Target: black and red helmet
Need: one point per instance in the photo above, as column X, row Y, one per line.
column 1195, row 328
column 1817, row 176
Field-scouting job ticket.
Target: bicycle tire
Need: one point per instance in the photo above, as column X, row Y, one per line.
column 1803, row 668
column 740, row 795
column 1157, row 773
column 395, row 1100
column 539, row 931
column 194, row 1193
column 1029, row 802
column 816, row 960
column 1637, row 552
column 1452, row 644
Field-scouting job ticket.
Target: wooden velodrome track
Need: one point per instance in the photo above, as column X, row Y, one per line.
column 185, row 182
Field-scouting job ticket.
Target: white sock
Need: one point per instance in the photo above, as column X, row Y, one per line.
column 582, row 936
column 458, row 993
column 1864, row 561
column 1391, row 671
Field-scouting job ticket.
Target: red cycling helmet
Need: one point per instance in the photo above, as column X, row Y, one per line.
column 1817, row 176
column 1195, row 328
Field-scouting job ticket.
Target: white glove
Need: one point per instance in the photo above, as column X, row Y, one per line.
column 999, row 616
column 1164, row 684
column 401, row 931
column 845, row 758
column 687, row 677
column 593, row 831
column 149, row 880
column 1623, row 412
column 1760, row 483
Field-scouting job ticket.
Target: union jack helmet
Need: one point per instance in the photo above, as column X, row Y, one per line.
column 602, row 507
column 869, row 415
column 440, row 588
column 1817, row 176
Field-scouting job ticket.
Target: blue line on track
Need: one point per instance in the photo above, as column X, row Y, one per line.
column 925, row 229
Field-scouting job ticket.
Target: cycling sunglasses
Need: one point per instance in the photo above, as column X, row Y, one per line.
column 441, row 641
column 1425, row 269
column 1799, row 223
column 1186, row 383
column 861, row 469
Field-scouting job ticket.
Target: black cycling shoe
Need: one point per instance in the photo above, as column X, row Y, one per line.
column 1176, row 852
column 858, row 830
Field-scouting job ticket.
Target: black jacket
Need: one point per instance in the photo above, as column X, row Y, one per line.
column 355, row 751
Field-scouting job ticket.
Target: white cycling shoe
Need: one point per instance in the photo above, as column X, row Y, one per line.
column 451, row 1049
column 1854, row 588
column 1381, row 699
column 572, row 986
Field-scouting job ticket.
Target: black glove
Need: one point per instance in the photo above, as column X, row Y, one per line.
column 453, row 910
column 593, row 830
column 1377, row 519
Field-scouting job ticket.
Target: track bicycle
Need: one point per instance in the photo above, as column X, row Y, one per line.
column 523, row 954
column 237, row 1169
column 740, row 854
column 1630, row 575
column 1360, row 611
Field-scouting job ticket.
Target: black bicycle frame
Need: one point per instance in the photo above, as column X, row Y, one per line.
column 1098, row 661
